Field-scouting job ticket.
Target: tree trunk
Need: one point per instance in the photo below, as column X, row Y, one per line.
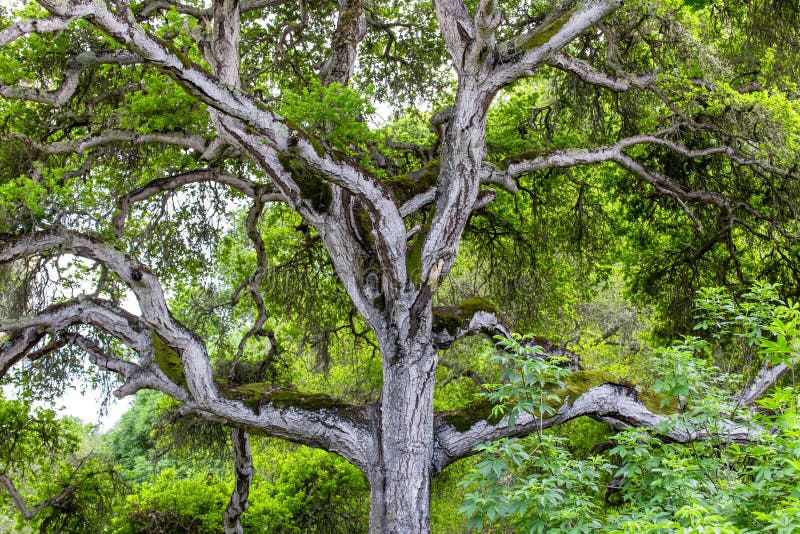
column 401, row 474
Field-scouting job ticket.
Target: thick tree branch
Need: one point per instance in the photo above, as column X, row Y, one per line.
column 269, row 139
column 99, row 314
column 225, row 36
column 483, row 322
column 620, row 82
column 350, row 30
column 540, row 44
column 312, row 420
column 332, row 426
column 373, row 196
column 95, row 312
column 24, row 27
column 457, row 29
column 145, row 287
column 154, row 51
column 81, row 145
column 157, row 6
column 615, row 404
column 765, row 379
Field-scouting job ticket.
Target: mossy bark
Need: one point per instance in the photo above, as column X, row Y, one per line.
column 168, row 360
column 454, row 318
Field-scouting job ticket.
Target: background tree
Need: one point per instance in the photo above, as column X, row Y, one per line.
column 50, row 477
column 213, row 165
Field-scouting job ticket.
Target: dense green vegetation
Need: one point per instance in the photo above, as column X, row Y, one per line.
column 147, row 476
column 667, row 273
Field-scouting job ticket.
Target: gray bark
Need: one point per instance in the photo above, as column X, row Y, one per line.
column 403, row 443
column 398, row 442
column 243, row 473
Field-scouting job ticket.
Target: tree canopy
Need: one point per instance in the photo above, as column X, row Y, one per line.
column 304, row 219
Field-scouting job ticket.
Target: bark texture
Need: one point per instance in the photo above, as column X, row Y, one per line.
column 398, row 441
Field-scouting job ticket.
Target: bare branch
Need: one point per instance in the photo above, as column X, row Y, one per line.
column 621, row 82
column 95, row 312
column 542, row 42
column 176, row 181
column 615, row 404
column 24, row 27
column 249, row 5
column 81, row 145
column 243, row 473
column 483, row 322
column 663, row 184
column 765, row 379
column 158, row 6
column 253, row 283
column 19, row 502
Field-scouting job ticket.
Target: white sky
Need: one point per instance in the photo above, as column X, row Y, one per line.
column 85, row 406
column 82, row 400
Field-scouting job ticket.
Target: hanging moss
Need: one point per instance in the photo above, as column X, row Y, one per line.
column 454, row 318
column 406, row 186
column 168, row 360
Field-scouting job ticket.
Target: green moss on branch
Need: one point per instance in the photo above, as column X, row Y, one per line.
column 168, row 360
column 579, row 382
column 263, row 393
column 465, row 418
column 454, row 318
column 404, row 187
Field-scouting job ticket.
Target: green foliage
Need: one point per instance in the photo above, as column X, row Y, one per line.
column 526, row 381
column 557, row 492
column 295, row 490
column 332, row 111
column 308, row 490
column 168, row 503
column 44, row 456
column 637, row 482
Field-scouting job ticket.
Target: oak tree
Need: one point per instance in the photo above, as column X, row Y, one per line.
column 135, row 133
